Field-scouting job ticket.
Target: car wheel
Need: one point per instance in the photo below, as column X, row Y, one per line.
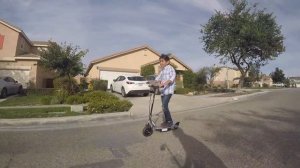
column 123, row 92
column 4, row 93
column 111, row 89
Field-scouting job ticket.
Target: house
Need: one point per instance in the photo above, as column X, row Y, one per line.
column 264, row 81
column 227, row 77
column 19, row 57
column 295, row 81
column 129, row 62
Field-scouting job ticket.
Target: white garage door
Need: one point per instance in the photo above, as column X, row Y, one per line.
column 111, row 75
column 22, row 76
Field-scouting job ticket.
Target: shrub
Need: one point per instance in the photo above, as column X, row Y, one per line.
column 108, row 106
column 147, row 70
column 75, row 99
column 265, row 85
column 100, row 85
column 189, row 79
column 60, row 96
column 62, row 83
column 83, row 84
column 99, row 95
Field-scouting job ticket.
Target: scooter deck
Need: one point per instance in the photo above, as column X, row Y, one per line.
column 165, row 129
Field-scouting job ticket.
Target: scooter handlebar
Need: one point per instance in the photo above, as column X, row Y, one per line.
column 154, row 84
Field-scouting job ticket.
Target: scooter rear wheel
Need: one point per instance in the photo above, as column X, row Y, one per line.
column 148, row 130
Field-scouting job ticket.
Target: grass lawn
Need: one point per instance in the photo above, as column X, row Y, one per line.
column 37, row 112
column 29, row 100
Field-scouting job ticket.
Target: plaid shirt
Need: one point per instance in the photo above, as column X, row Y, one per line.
column 167, row 73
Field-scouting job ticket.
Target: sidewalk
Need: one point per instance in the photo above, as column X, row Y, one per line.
column 140, row 109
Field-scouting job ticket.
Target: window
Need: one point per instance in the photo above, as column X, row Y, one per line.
column 137, row 78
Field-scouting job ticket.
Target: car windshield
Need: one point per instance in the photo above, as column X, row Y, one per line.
column 136, row 78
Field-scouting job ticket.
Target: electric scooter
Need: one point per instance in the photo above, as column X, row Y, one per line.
column 151, row 124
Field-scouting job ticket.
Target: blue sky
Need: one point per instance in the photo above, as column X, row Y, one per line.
column 169, row 26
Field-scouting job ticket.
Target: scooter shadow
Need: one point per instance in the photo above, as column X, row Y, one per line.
column 197, row 154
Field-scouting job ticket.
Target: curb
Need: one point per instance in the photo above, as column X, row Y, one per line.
column 57, row 120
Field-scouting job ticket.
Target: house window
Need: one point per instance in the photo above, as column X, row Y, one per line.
column 1, row 41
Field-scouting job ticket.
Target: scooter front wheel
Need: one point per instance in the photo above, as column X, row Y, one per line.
column 148, row 130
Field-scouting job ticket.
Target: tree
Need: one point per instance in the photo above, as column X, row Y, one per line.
column 254, row 73
column 63, row 59
column 147, row 70
column 188, row 79
column 278, row 76
column 212, row 72
column 200, row 79
column 244, row 36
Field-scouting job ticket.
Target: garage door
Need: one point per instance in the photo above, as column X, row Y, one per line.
column 22, row 76
column 111, row 75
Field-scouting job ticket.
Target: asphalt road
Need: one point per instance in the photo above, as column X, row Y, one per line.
column 260, row 132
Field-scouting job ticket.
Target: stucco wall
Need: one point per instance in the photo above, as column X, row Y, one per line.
column 23, row 46
column 132, row 60
column 10, row 42
column 226, row 76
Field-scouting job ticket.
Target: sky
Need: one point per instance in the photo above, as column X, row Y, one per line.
column 105, row 27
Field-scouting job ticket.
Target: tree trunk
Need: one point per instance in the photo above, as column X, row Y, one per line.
column 70, row 85
column 241, row 82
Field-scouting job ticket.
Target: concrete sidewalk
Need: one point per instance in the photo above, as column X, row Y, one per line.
column 140, row 109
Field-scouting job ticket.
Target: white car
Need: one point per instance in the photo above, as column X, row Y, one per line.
column 9, row 86
column 126, row 85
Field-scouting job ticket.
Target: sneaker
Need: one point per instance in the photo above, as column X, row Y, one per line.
column 170, row 124
column 164, row 124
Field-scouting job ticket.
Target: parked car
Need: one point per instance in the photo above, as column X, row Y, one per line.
column 126, row 85
column 9, row 86
column 151, row 79
column 278, row 85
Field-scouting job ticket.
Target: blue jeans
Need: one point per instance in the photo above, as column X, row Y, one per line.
column 165, row 106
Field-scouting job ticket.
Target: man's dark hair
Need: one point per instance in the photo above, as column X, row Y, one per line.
column 165, row 57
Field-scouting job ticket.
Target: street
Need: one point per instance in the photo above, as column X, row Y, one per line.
column 262, row 131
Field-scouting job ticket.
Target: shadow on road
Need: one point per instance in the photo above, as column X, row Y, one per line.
column 197, row 154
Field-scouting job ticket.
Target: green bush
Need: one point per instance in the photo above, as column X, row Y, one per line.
column 99, row 95
column 265, row 85
column 147, row 70
column 75, row 99
column 83, row 84
column 98, row 101
column 189, row 79
column 62, row 83
column 104, row 102
column 46, row 100
column 108, row 106
column 60, row 97
column 99, row 84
